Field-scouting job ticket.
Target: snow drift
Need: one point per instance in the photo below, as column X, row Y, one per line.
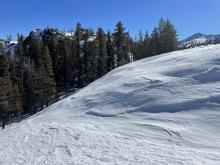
column 159, row 110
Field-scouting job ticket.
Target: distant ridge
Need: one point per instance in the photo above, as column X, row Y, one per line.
column 199, row 39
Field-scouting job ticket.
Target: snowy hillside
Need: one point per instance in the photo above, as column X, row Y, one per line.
column 162, row 110
column 199, row 39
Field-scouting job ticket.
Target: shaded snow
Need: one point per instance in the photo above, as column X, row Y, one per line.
column 125, row 117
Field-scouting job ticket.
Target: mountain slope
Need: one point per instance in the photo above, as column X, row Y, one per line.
column 125, row 117
column 199, row 39
column 9, row 46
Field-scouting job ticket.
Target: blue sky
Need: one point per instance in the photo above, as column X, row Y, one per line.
column 189, row 16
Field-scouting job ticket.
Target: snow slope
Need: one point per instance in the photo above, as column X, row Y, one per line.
column 161, row 110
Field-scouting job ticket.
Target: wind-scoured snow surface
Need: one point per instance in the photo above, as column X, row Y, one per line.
column 163, row 110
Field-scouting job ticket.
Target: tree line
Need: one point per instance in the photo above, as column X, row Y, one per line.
column 42, row 67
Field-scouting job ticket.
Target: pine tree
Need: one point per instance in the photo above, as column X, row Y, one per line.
column 56, row 48
column 40, row 84
column 70, row 62
column 79, row 54
column 17, row 65
column 129, row 48
column 10, row 99
column 19, row 60
column 46, row 69
column 153, row 43
column 121, row 47
column 86, row 56
column 146, row 43
column 4, row 99
column 4, row 85
column 102, row 53
column 139, row 46
column 171, row 37
column 167, row 37
column 110, row 53
column 90, row 56
column 4, row 63
column 162, row 36
column 61, row 66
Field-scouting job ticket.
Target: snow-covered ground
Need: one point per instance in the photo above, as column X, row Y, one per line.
column 162, row 110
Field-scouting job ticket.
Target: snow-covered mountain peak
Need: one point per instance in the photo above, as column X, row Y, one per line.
column 199, row 39
column 197, row 35
column 40, row 33
column 36, row 33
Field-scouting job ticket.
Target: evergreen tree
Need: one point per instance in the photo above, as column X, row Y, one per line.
column 63, row 54
column 90, row 57
column 146, row 43
column 86, row 55
column 10, row 99
column 19, row 60
column 79, row 54
column 4, row 63
column 102, row 53
column 120, row 42
column 4, row 85
column 70, row 63
column 129, row 43
column 154, row 42
column 46, row 70
column 52, row 39
column 167, row 37
column 139, row 46
column 161, row 36
column 40, row 84
column 110, row 53
column 171, row 37
column 4, row 99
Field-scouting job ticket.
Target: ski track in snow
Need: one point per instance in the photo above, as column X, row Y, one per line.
column 161, row 110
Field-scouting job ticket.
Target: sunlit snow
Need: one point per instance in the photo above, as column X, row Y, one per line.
column 163, row 110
